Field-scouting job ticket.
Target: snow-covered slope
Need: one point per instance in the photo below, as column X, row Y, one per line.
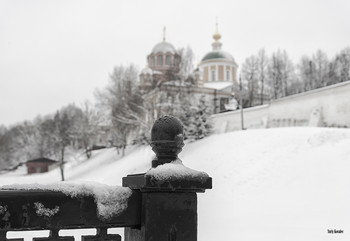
column 277, row 184
column 274, row 184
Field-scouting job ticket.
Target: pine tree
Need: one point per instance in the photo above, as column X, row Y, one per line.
column 197, row 121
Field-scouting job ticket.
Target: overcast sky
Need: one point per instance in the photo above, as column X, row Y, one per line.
column 55, row 52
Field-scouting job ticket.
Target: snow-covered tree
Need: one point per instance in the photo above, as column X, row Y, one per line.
column 196, row 120
column 321, row 66
column 342, row 65
column 46, row 139
column 262, row 66
column 124, row 102
column 314, row 72
column 249, row 75
column 306, row 74
column 87, row 128
column 281, row 74
column 62, row 136
column 6, row 151
column 186, row 64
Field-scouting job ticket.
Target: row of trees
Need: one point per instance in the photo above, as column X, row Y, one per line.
column 50, row 136
column 123, row 115
column 271, row 77
column 132, row 111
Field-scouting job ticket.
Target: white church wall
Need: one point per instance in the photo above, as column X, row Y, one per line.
column 331, row 104
column 255, row 117
column 328, row 106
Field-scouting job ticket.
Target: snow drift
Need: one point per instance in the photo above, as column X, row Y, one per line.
column 272, row 184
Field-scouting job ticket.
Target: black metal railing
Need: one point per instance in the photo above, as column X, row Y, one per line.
column 157, row 209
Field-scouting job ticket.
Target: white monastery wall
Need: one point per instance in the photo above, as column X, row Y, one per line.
column 328, row 106
column 255, row 117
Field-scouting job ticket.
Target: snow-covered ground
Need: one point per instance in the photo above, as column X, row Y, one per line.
column 273, row 184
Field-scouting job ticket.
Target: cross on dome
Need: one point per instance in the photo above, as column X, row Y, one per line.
column 217, row 35
column 164, row 29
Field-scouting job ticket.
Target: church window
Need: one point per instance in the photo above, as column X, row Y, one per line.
column 153, row 61
column 227, row 74
column 213, row 75
column 160, row 60
column 175, row 61
column 168, row 60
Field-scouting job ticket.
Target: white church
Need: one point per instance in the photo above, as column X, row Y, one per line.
column 214, row 78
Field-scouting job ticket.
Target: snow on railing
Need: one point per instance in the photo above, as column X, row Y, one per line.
column 159, row 205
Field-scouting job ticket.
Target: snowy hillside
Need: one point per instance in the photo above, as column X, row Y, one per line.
column 274, row 184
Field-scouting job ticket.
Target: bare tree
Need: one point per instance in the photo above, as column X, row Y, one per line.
column 281, row 73
column 85, row 127
column 62, row 136
column 250, row 76
column 342, row 65
column 321, row 68
column 305, row 69
column 26, row 141
column 275, row 76
column 6, row 151
column 318, row 71
column 262, row 73
column 66, row 121
column 124, row 102
column 47, row 142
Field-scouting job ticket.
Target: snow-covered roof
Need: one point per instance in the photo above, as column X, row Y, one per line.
column 164, row 47
column 147, row 70
column 42, row 159
column 176, row 83
column 157, row 72
column 218, row 85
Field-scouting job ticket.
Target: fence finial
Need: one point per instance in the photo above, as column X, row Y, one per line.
column 166, row 139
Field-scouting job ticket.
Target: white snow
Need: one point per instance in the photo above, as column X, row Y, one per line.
column 219, row 85
column 176, row 171
column 47, row 212
column 275, row 184
column 157, row 72
column 3, row 209
column 268, row 184
column 147, row 70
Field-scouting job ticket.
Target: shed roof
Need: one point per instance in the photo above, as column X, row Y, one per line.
column 42, row 159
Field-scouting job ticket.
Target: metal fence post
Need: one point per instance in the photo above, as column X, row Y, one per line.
column 169, row 199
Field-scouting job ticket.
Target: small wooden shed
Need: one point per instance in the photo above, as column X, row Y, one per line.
column 40, row 165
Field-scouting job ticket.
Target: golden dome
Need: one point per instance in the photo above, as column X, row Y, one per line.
column 217, row 35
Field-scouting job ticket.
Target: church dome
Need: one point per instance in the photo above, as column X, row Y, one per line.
column 147, row 70
column 217, row 65
column 163, row 47
column 218, row 54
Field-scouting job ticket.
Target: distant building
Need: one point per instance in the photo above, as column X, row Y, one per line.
column 40, row 165
column 162, row 65
column 218, row 70
column 217, row 65
column 214, row 78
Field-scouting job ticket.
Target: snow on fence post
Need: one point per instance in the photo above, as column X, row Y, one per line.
column 168, row 190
